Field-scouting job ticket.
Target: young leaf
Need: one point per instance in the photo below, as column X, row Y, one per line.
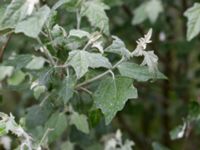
column 139, row 73
column 193, row 23
column 95, row 12
column 118, row 47
column 32, row 26
column 82, row 60
column 80, row 121
column 112, row 94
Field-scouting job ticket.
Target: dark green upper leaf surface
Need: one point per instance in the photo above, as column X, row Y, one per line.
column 67, row 89
column 58, row 124
column 38, row 115
column 112, row 94
column 137, row 72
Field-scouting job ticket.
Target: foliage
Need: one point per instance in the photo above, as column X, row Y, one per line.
column 75, row 82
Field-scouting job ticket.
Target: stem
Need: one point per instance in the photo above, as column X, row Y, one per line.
column 78, row 17
column 87, row 45
column 47, row 53
column 4, row 46
column 101, row 75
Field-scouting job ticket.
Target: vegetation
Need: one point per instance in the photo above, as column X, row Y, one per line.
column 99, row 75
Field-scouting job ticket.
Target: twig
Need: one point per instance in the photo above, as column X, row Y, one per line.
column 2, row 49
column 101, row 75
column 47, row 53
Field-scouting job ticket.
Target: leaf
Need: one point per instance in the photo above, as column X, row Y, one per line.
column 5, row 71
column 32, row 26
column 67, row 145
column 37, row 115
column 95, row 12
column 82, row 60
column 80, row 121
column 38, row 90
column 137, row 72
column 67, row 90
column 147, row 10
column 57, row 122
column 2, row 128
column 16, row 78
column 118, row 47
column 157, row 146
column 153, row 9
column 79, row 33
column 139, row 14
column 19, row 61
column 15, row 12
column 112, row 94
column 60, row 3
column 193, row 24
column 36, row 63
column 178, row 132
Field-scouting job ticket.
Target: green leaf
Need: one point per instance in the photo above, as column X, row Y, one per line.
column 38, row 114
column 19, row 61
column 80, row 121
column 60, row 3
column 2, row 128
column 79, row 33
column 137, row 72
column 95, row 12
column 57, row 122
column 67, row 90
column 153, row 9
column 112, row 95
column 82, row 60
column 36, row 63
column 16, row 78
column 38, row 90
column 178, row 132
column 147, row 10
column 139, row 14
column 67, row 145
column 15, row 12
column 118, row 47
column 32, row 26
column 193, row 24
column 5, row 71
column 157, row 146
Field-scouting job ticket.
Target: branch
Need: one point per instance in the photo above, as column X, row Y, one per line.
column 2, row 49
